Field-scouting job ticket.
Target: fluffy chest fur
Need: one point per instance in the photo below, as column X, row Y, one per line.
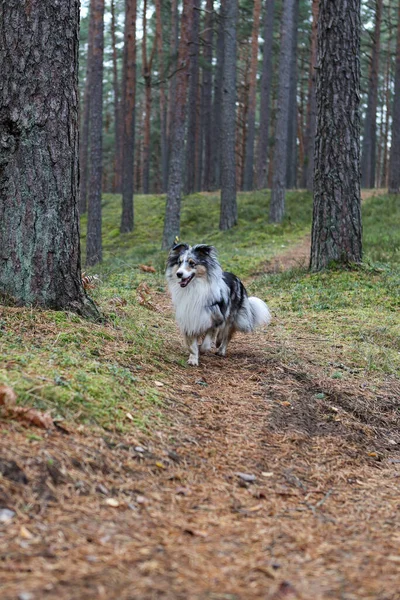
column 192, row 305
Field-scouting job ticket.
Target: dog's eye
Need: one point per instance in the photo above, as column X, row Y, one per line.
column 192, row 263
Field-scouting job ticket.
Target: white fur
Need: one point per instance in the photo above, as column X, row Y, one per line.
column 260, row 311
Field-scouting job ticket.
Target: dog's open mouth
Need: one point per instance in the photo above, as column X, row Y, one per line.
column 184, row 282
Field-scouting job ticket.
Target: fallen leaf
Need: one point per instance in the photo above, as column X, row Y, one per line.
column 25, row 533
column 394, row 558
column 160, row 465
column 7, row 396
column 269, row 474
column 266, row 571
column 147, row 268
column 246, row 477
column 195, row 532
column 158, row 384
column 112, row 502
column 129, row 416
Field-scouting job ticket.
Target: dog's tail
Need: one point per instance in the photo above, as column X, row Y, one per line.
column 259, row 311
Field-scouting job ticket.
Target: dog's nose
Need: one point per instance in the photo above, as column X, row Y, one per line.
column 179, row 274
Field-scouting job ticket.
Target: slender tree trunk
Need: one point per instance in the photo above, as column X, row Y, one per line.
column 217, row 104
column 265, row 99
column 384, row 179
column 394, row 168
column 277, row 205
column 84, row 141
column 336, row 229
column 177, row 149
column 228, row 215
column 309, row 141
column 93, row 236
column 291, row 169
column 192, row 101
column 147, row 68
column 198, row 139
column 129, row 95
column 163, row 106
column 173, row 59
column 207, row 95
column 117, row 143
column 39, row 217
column 368, row 158
column 251, row 115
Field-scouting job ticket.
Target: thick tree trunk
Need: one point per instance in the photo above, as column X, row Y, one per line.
column 394, row 168
column 93, row 236
column 265, row 99
column 207, row 95
column 368, row 157
column 291, row 167
column 277, row 205
column 39, row 218
column 251, row 115
column 117, row 126
column 336, row 229
column 178, row 126
column 129, row 95
column 228, row 215
column 192, row 101
column 217, row 104
column 309, row 142
column 84, row 140
column 163, row 105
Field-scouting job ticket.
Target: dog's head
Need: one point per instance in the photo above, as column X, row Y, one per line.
column 185, row 262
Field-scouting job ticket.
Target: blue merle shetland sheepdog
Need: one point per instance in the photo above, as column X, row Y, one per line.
column 210, row 304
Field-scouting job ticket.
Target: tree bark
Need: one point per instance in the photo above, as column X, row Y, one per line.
column 163, row 105
column 251, row 115
column 217, row 104
column 84, row 141
column 291, row 167
column 309, row 142
column 39, row 168
column 129, row 96
column 117, row 126
column 368, row 157
column 192, row 101
column 173, row 59
column 207, row 95
column 277, row 205
column 147, row 68
column 228, row 215
column 336, row 229
column 178, row 126
column 265, row 96
column 394, row 167
column 93, row 235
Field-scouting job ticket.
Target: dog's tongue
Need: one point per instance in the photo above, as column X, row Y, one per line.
column 184, row 282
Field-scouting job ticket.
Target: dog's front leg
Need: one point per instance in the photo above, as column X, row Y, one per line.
column 194, row 350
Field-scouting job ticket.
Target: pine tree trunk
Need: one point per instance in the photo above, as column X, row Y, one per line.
column 277, row 205
column 388, row 108
column 251, row 115
column 117, row 142
column 93, row 236
column 129, row 95
column 336, row 229
column 147, row 67
column 217, row 104
column 163, row 106
column 39, row 218
column 192, row 101
column 309, row 141
column 228, row 215
column 178, row 127
column 265, row 99
column 173, row 59
column 84, row 138
column 291, row 168
column 394, row 168
column 368, row 157
column 207, row 95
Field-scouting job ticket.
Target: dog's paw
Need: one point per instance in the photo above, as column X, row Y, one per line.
column 205, row 347
column 194, row 361
column 221, row 351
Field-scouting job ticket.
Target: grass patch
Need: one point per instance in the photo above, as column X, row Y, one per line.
column 96, row 374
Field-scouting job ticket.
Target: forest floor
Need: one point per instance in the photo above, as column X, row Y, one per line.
column 273, row 473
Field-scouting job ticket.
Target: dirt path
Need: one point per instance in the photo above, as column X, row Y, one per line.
column 178, row 516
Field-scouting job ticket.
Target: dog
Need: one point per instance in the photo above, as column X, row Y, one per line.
column 210, row 304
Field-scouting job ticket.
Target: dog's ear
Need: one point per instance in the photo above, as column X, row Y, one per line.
column 175, row 253
column 205, row 250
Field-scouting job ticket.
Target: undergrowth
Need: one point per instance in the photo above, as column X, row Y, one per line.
column 117, row 373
